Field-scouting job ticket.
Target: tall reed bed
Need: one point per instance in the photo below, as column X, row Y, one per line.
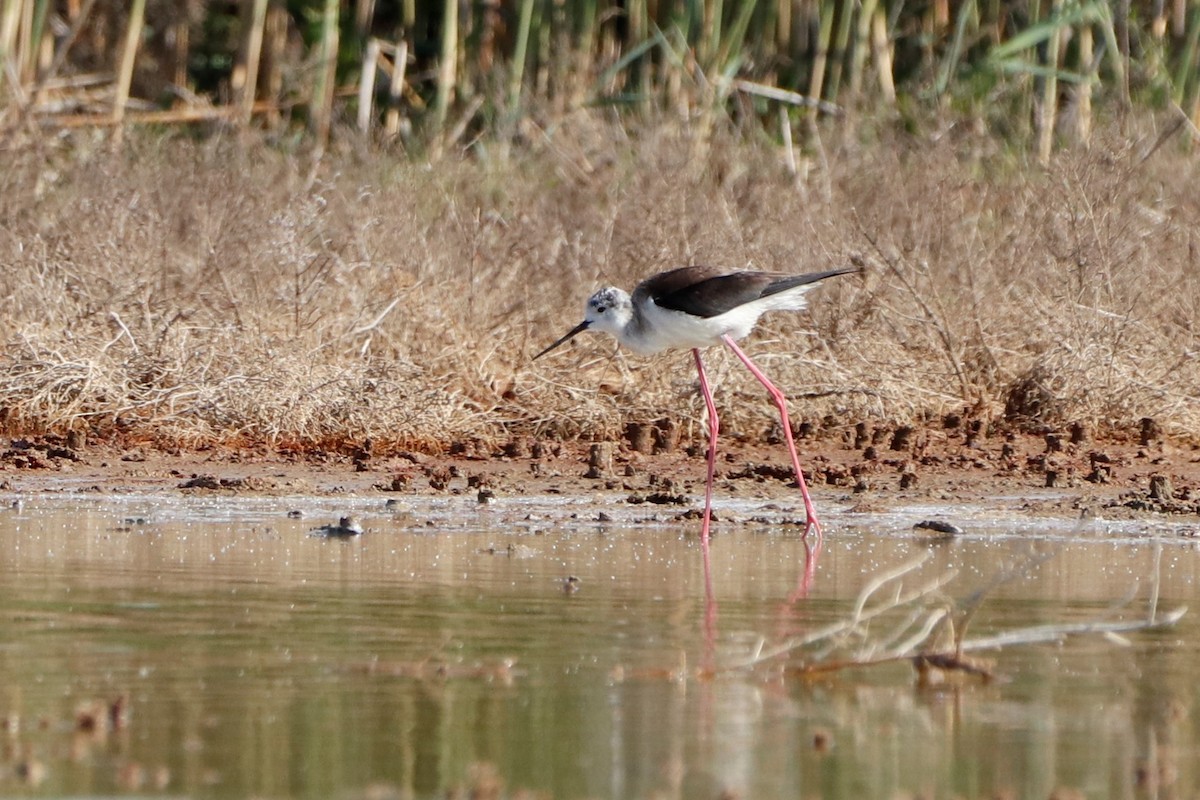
column 443, row 73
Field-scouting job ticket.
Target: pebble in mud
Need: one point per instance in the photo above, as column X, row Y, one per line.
column 862, row 434
column 1079, row 433
column 1160, row 488
column 1150, row 431
column 666, row 436
column 901, row 438
column 1102, row 467
column 640, row 436
column 520, row 447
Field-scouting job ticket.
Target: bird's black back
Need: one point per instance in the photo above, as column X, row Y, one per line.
column 707, row 292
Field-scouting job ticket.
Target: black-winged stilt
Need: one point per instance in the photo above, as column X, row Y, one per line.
column 694, row 307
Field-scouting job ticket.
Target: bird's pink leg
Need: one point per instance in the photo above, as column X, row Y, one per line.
column 713, row 427
column 810, row 511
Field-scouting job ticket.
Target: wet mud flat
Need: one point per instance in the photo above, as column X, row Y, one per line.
column 856, row 466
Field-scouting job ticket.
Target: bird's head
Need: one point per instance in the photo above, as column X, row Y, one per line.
column 608, row 310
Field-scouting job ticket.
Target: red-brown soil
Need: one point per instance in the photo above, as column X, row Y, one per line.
column 863, row 471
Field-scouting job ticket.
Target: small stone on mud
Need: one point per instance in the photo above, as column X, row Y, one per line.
column 901, row 438
column 201, row 482
column 1079, row 433
column 517, row 448
column 666, row 498
column 939, row 527
column 696, row 513
column 666, row 436
column 1160, row 488
column 862, row 434
column 640, row 436
column 399, row 483
column 1149, row 431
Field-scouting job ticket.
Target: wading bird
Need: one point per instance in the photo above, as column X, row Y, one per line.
column 695, row 307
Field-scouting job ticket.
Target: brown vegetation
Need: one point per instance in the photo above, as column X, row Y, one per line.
column 194, row 293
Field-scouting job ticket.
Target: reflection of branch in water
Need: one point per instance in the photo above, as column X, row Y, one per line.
column 919, row 619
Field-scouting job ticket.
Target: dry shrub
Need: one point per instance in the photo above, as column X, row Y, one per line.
column 190, row 293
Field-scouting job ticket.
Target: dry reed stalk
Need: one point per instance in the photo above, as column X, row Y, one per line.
column 184, row 115
column 520, row 56
column 24, row 44
column 64, row 47
column 133, row 36
column 882, row 51
column 180, row 53
column 366, row 86
column 1048, row 105
column 391, row 122
column 321, row 102
column 255, row 18
column 10, row 20
column 364, row 12
column 275, row 35
column 841, row 47
column 921, row 624
column 816, row 82
column 1083, row 92
column 862, row 33
column 447, row 66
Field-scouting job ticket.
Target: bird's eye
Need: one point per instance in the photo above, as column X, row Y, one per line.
column 601, row 309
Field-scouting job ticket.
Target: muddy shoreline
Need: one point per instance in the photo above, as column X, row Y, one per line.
column 1045, row 475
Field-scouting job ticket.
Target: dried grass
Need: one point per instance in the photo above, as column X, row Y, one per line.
column 197, row 293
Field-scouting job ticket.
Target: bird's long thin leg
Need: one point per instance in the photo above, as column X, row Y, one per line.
column 810, row 511
column 714, row 426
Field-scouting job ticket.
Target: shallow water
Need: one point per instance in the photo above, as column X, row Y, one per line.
column 215, row 648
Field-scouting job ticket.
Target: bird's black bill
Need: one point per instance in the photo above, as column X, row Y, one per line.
column 580, row 328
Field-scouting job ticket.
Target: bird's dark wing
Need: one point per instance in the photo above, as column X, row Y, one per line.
column 706, row 292
column 784, row 282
